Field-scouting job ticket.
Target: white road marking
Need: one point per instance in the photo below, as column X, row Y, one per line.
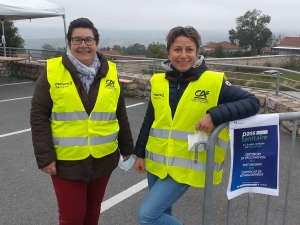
column 13, row 99
column 16, row 83
column 141, row 103
column 123, row 195
column 13, row 133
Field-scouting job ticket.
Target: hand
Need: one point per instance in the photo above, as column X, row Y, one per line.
column 50, row 169
column 125, row 157
column 139, row 165
column 205, row 124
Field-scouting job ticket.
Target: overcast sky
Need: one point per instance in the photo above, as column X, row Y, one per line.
column 162, row 15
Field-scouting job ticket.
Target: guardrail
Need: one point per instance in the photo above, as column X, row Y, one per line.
column 285, row 81
column 30, row 54
column 256, row 78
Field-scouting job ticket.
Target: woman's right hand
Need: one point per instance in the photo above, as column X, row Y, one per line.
column 139, row 165
column 50, row 169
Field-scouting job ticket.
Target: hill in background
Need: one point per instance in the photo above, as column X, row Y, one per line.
column 109, row 38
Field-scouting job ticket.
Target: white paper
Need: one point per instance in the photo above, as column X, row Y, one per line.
column 127, row 164
column 195, row 138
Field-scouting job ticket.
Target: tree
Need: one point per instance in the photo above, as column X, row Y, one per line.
column 276, row 39
column 157, row 50
column 60, row 51
column 219, row 52
column 118, row 48
column 136, row 49
column 49, row 51
column 12, row 36
column 124, row 50
column 105, row 48
column 251, row 31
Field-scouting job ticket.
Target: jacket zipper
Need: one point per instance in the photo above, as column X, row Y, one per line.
column 178, row 90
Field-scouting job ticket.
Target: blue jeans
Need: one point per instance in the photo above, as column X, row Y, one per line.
column 156, row 207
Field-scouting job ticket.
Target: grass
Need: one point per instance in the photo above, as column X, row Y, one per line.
column 254, row 79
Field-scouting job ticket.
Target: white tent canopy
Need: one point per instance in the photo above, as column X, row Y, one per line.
column 29, row 9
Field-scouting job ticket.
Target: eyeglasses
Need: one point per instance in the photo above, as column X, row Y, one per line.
column 88, row 41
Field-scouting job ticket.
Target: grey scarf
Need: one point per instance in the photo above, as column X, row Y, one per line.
column 167, row 65
column 86, row 74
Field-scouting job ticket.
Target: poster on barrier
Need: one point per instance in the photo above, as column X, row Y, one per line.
column 254, row 143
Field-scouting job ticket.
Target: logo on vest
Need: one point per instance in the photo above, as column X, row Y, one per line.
column 110, row 84
column 63, row 85
column 201, row 96
column 158, row 95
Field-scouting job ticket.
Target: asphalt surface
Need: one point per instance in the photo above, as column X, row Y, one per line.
column 27, row 195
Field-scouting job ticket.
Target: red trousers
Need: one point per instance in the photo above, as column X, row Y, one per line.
column 79, row 202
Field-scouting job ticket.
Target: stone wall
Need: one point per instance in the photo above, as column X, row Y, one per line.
column 3, row 69
column 273, row 61
column 278, row 61
column 31, row 70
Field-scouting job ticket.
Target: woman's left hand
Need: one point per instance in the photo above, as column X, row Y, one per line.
column 125, row 157
column 205, row 124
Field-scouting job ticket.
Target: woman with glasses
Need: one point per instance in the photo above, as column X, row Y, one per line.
column 79, row 125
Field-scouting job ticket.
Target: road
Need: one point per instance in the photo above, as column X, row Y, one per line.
column 27, row 195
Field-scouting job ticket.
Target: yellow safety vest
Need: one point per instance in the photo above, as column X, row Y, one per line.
column 167, row 147
column 76, row 135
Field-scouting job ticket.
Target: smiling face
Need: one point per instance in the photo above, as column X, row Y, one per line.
column 84, row 53
column 183, row 53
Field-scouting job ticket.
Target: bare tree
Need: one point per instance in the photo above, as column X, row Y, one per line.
column 276, row 39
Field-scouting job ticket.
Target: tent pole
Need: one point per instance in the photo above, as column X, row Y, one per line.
column 2, row 21
column 64, row 18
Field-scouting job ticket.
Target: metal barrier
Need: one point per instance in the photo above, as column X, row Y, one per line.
column 254, row 78
column 286, row 81
column 30, row 54
column 282, row 84
column 208, row 191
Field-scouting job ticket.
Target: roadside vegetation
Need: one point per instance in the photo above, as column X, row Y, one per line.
column 255, row 78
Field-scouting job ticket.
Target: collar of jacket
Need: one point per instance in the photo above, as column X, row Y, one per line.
column 101, row 73
column 190, row 75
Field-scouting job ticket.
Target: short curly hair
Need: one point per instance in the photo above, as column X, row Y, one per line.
column 82, row 23
column 187, row 31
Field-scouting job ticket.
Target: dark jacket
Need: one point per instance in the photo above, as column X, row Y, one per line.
column 234, row 103
column 41, row 106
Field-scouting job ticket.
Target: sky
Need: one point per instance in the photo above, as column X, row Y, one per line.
column 211, row 16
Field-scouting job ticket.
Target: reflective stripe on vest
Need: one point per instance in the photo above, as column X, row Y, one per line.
column 82, row 141
column 76, row 141
column 156, row 157
column 181, row 135
column 160, row 133
column 76, row 135
column 167, row 147
column 175, row 161
column 103, row 116
column 63, row 116
column 103, row 139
